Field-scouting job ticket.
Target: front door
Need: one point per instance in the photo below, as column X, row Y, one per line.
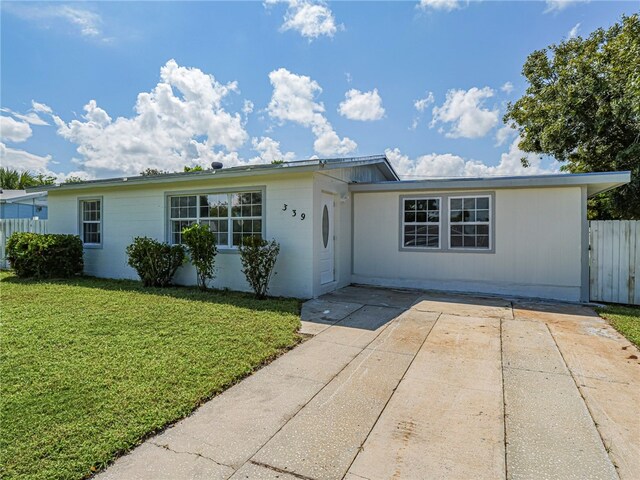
column 327, row 261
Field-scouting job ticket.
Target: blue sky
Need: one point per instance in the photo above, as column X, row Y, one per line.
column 122, row 86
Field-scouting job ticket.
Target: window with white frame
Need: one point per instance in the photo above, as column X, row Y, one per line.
column 91, row 221
column 231, row 216
column 421, row 222
column 470, row 222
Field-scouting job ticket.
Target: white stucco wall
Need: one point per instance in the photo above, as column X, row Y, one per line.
column 141, row 211
column 538, row 247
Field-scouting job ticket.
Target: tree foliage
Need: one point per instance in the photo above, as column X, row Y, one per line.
column 11, row 179
column 582, row 106
column 201, row 245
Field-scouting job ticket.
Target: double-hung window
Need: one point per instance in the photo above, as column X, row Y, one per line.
column 470, row 222
column 231, row 216
column 91, row 221
column 421, row 223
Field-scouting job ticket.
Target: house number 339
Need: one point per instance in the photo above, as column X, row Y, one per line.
column 294, row 212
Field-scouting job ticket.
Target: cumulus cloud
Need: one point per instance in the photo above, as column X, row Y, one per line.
column 31, row 118
column 442, row 5
column 293, row 100
column 12, row 130
column 507, row 87
column 181, row 121
column 436, row 165
column 422, row 103
column 23, row 160
column 559, row 5
column 312, row 19
column 269, row 151
column 41, row 107
column 466, row 114
column 504, row 134
column 573, row 33
column 363, row 106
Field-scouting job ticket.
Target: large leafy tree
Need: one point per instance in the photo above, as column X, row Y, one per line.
column 582, row 106
column 11, row 179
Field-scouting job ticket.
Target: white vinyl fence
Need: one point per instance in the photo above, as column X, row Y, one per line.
column 12, row 225
column 615, row 261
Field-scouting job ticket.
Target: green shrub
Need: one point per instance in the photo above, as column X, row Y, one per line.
column 258, row 258
column 155, row 262
column 43, row 255
column 201, row 245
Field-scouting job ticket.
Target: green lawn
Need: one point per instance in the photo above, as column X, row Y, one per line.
column 89, row 367
column 624, row 319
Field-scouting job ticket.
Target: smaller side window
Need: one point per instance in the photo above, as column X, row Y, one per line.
column 421, row 223
column 470, row 223
column 91, row 221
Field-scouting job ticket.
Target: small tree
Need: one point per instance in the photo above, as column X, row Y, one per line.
column 258, row 258
column 201, row 245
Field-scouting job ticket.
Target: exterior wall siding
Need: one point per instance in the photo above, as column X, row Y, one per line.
column 142, row 211
column 538, row 247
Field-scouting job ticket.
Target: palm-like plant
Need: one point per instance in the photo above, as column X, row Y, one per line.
column 11, row 179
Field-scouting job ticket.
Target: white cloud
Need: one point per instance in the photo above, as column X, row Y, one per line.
column 422, row 103
column 364, row 106
column 269, row 151
column 449, row 165
column 31, row 118
column 13, row 131
column 23, row 160
column 507, row 87
column 293, row 100
column 86, row 22
column 573, row 33
column 247, row 107
column 559, row 5
column 41, row 107
column 444, row 5
column 180, row 122
column 311, row 19
column 505, row 133
column 466, row 113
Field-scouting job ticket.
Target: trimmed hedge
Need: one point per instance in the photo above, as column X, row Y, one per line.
column 45, row 255
column 155, row 262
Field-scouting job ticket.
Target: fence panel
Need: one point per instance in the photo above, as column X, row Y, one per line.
column 8, row 226
column 615, row 261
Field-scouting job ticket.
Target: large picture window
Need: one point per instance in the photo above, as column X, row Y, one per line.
column 470, row 222
column 91, row 221
column 421, row 222
column 231, row 216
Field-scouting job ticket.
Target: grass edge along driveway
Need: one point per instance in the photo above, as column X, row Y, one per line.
column 625, row 319
column 90, row 367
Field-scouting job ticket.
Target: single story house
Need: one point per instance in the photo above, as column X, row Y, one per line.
column 20, row 204
column 350, row 220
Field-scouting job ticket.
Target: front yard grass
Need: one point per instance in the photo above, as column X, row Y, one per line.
column 625, row 319
column 89, row 367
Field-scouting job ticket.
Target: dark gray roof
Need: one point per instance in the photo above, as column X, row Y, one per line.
column 380, row 161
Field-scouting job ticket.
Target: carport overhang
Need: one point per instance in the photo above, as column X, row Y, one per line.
column 594, row 183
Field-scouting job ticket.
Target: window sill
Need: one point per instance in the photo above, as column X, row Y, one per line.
column 92, row 246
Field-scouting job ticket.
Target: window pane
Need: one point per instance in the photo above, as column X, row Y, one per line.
column 409, row 240
column 433, row 242
column 469, row 241
column 482, row 215
column 482, row 203
column 421, row 241
column 482, row 241
column 469, row 216
column 421, row 229
column 483, row 229
column 433, row 204
column 409, row 229
column 421, row 205
column 469, row 203
column 456, row 229
column 456, row 241
column 410, row 217
column 256, row 211
column 433, row 230
column 456, row 204
column 469, row 229
column 433, row 217
column 409, row 204
column 456, row 215
column 256, row 198
column 421, row 216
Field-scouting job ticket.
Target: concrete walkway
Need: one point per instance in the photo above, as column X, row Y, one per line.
column 405, row 385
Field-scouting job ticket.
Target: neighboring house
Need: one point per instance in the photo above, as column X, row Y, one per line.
column 351, row 220
column 20, row 204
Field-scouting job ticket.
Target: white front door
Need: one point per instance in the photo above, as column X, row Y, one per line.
column 327, row 239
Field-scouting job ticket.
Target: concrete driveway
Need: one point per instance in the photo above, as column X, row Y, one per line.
column 406, row 385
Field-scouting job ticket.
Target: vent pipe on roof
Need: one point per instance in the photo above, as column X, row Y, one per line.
column 216, row 165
